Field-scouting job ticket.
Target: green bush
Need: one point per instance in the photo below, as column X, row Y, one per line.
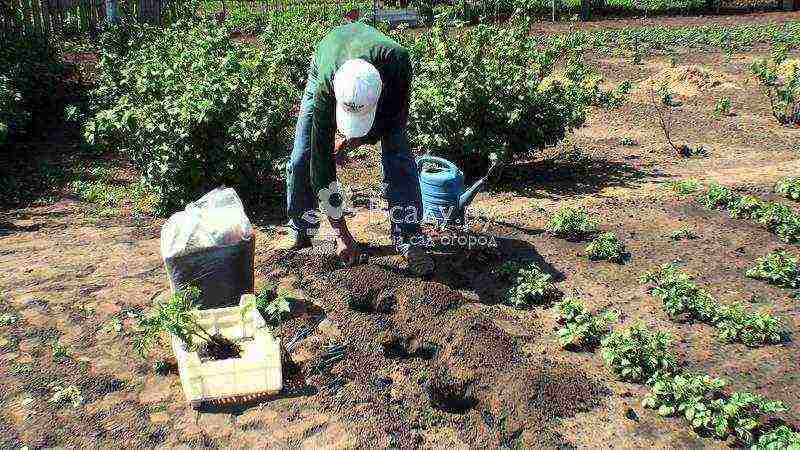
column 192, row 110
column 636, row 355
column 789, row 187
column 778, row 267
column 579, row 328
column 531, row 287
column 487, row 90
column 607, row 247
column 700, row 399
column 572, row 223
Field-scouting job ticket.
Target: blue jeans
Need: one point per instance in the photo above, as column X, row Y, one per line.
column 398, row 166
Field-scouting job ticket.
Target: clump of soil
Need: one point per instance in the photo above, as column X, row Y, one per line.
column 218, row 348
column 685, row 81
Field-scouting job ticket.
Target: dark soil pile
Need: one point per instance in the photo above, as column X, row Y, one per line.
column 405, row 358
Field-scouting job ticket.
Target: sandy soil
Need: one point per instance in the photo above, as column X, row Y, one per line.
column 69, row 273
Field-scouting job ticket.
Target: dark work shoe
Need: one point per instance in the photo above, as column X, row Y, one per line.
column 295, row 240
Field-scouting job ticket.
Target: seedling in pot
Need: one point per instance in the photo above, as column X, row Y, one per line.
column 779, row 268
column 607, row 247
column 177, row 316
column 572, row 224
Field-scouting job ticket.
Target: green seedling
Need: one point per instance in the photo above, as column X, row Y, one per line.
column 779, row 438
column 628, row 142
column 723, row 107
column 607, row 247
column 274, row 305
column 636, row 355
column 8, row 319
column 532, row 287
column 686, row 187
column 779, row 268
column 572, row 224
column 60, row 351
column 683, row 233
column 579, row 328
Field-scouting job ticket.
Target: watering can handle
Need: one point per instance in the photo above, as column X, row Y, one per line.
column 435, row 159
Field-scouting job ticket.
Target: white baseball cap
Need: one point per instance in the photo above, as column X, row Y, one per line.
column 357, row 86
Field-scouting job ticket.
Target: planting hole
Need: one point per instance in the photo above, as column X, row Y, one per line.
column 450, row 395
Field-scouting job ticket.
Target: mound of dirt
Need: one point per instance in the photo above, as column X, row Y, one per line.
column 685, row 81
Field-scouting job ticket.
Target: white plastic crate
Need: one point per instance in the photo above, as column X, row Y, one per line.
column 256, row 373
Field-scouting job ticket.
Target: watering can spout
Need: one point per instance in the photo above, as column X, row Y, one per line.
column 469, row 195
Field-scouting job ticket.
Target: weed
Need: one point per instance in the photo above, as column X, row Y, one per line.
column 572, row 224
column 723, row 107
column 685, row 187
column 683, row 233
column 778, row 267
column 700, row 399
column 634, row 354
column 788, row 187
column 532, row 287
column 579, row 328
column 606, row 247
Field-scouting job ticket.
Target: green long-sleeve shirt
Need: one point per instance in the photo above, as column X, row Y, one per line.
column 351, row 41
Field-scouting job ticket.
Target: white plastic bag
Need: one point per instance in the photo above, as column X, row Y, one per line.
column 215, row 220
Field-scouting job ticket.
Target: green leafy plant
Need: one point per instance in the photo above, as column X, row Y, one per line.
column 780, row 438
column 485, row 90
column 67, row 395
column 8, row 319
column 608, row 247
column 572, row 223
column 737, row 324
column 177, row 316
column 579, row 328
column 273, row 305
column 779, row 78
column 718, row 196
column 192, row 110
column 59, row 351
column 723, row 107
column 532, row 287
column 788, row 187
column 700, row 399
column 636, row 355
column 683, row 233
column 681, row 297
column 778, row 267
column 686, row 187
column 628, row 142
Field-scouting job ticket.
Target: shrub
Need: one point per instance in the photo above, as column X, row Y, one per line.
column 192, row 110
column 572, row 223
column 487, row 90
column 606, row 247
column 579, row 328
column 778, row 267
column 779, row 78
column 789, row 187
column 634, row 354
column 532, row 287
column 700, row 399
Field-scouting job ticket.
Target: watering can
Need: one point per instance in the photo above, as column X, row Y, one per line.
column 444, row 199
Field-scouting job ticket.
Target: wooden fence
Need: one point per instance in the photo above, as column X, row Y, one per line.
column 64, row 17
